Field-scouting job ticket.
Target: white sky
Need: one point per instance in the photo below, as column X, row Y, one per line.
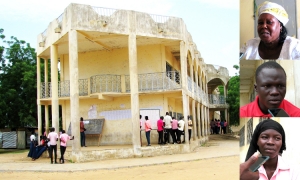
column 213, row 24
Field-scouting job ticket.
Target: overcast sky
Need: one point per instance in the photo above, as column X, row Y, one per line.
column 213, row 24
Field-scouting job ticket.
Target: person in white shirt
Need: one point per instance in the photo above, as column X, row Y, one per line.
column 168, row 127
column 180, row 129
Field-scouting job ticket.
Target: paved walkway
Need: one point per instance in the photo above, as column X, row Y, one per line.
column 218, row 146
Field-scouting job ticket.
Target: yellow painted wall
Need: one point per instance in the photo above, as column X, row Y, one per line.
column 118, row 131
column 246, row 21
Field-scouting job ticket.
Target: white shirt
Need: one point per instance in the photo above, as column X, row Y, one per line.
column 167, row 121
column 181, row 125
column 32, row 137
column 290, row 49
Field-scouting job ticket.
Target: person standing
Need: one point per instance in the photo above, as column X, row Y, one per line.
column 64, row 137
column 225, row 126
column 218, row 126
column 180, row 129
column 212, row 126
column 32, row 144
column 174, row 129
column 167, row 123
column 53, row 137
column 190, row 126
column 82, row 134
column 222, row 126
column 160, row 130
column 147, row 130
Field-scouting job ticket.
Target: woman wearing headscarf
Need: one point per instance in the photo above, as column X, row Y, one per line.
column 273, row 42
column 269, row 139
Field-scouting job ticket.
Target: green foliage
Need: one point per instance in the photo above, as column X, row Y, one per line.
column 233, row 99
column 17, row 83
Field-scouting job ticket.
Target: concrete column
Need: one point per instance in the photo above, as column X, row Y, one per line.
column 198, row 120
column 47, row 118
column 194, row 133
column 74, row 95
column 192, row 76
column 54, row 87
column 39, row 111
column 134, row 91
column 202, row 120
column 207, row 121
column 46, row 76
column 185, row 114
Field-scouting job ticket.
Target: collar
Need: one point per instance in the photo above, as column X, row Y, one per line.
column 260, row 113
column 281, row 165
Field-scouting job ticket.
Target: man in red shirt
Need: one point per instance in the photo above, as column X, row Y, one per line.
column 271, row 88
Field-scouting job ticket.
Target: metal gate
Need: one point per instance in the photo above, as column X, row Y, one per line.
column 9, row 139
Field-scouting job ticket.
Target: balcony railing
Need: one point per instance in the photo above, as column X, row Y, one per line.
column 216, row 99
column 112, row 83
column 156, row 81
column 105, row 83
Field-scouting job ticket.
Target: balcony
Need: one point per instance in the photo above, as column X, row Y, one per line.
column 110, row 83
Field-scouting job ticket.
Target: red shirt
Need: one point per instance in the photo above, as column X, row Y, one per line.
column 160, row 125
column 252, row 109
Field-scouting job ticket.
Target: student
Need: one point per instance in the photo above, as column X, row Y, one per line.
column 167, row 123
column 53, row 138
column 180, row 130
column 271, row 88
column 82, row 134
column 64, row 137
column 32, row 144
column 147, row 130
column 160, row 130
column 174, row 130
column 269, row 139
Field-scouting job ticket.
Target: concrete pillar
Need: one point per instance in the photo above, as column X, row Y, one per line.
column 46, row 76
column 54, row 87
column 46, row 92
column 185, row 114
column 194, row 131
column 63, row 104
column 202, row 120
column 47, row 118
column 134, row 91
column 74, row 95
column 207, row 121
column 39, row 111
column 198, row 120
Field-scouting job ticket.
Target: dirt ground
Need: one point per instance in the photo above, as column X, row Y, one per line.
column 210, row 169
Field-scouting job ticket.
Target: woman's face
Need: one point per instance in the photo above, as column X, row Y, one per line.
column 269, row 143
column 268, row 28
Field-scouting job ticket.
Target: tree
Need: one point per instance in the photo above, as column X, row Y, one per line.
column 233, row 98
column 17, row 83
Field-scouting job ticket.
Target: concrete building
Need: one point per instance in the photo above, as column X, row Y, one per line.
column 118, row 64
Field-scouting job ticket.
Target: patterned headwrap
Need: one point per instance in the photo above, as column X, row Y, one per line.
column 261, row 127
column 274, row 9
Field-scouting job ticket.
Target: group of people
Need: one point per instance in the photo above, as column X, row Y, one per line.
column 166, row 126
column 217, row 126
column 49, row 142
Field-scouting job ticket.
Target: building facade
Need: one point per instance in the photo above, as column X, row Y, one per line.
column 118, row 64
